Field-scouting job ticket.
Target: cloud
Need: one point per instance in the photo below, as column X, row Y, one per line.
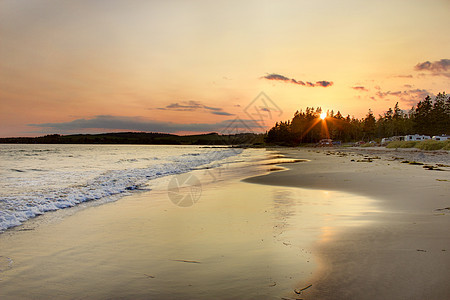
column 276, row 77
column 297, row 82
column 404, row 76
column 359, row 88
column 411, row 96
column 437, row 68
column 107, row 122
column 180, row 107
column 324, row 83
column 382, row 94
column 440, row 65
column 211, row 108
column 283, row 78
column 188, row 106
column 221, row 113
column 193, row 106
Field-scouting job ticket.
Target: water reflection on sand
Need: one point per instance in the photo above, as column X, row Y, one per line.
column 239, row 241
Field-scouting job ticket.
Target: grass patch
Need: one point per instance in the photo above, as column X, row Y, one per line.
column 401, row 144
column 433, row 145
column 423, row 145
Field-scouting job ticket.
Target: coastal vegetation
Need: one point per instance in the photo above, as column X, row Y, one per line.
column 428, row 117
column 423, row 145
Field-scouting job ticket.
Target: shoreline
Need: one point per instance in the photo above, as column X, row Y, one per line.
column 404, row 253
column 337, row 232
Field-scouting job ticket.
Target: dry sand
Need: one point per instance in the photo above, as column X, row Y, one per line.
column 405, row 251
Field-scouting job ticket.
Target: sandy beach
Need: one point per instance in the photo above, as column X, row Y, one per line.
column 340, row 224
column 404, row 253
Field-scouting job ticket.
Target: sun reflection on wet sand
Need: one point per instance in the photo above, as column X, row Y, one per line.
column 327, row 234
column 240, row 240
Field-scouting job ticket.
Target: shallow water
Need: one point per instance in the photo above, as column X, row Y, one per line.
column 237, row 241
column 35, row 179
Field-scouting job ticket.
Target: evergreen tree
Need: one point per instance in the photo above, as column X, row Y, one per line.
column 422, row 116
column 369, row 125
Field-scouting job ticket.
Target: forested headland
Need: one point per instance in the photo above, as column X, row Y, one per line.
column 428, row 117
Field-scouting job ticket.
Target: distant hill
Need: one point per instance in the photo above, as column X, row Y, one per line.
column 142, row 138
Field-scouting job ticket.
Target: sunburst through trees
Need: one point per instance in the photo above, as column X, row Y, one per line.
column 430, row 117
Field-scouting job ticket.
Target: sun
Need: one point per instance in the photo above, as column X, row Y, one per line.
column 323, row 115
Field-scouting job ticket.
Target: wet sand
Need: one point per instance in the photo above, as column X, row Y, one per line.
column 404, row 252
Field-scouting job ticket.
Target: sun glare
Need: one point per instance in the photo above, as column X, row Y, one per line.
column 323, row 116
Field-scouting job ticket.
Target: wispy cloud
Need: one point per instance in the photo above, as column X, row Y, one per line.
column 274, row 76
column 278, row 77
column 437, row 68
column 188, row 106
column 194, row 106
column 221, row 113
column 404, row 76
column 410, row 97
column 212, row 108
column 107, row 122
column 360, row 88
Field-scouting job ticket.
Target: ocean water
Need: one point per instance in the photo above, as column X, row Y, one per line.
column 35, row 179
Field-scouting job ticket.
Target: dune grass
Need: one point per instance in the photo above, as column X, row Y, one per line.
column 432, row 145
column 423, row 145
column 401, row 144
column 367, row 145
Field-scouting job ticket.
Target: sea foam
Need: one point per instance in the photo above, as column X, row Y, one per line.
column 17, row 208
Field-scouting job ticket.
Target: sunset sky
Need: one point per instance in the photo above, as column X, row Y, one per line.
column 195, row 66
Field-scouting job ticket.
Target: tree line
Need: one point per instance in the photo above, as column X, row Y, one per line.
column 428, row 117
column 142, row 138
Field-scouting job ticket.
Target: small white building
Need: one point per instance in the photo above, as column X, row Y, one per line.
column 416, row 137
column 441, row 137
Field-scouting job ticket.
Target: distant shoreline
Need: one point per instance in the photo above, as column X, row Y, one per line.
column 141, row 138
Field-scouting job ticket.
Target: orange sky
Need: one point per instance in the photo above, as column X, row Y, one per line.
column 194, row 66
